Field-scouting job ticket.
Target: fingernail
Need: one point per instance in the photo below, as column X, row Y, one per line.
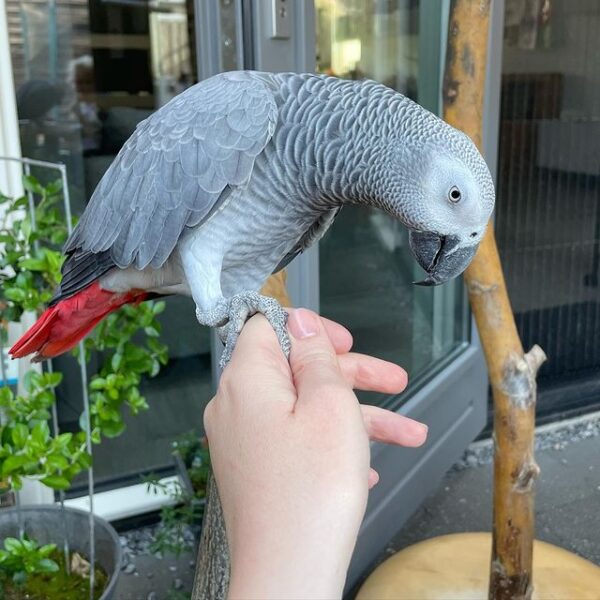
column 421, row 431
column 303, row 323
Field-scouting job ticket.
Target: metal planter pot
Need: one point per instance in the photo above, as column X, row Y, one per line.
column 47, row 525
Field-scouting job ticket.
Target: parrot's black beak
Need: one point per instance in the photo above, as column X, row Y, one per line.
column 440, row 256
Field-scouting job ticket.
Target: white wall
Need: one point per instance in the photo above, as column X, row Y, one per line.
column 10, row 173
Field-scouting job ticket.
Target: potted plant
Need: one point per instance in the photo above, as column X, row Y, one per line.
column 128, row 347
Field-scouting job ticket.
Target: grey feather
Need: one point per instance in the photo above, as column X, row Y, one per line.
column 206, row 139
column 313, row 235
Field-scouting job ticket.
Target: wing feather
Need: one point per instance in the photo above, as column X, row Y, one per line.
column 317, row 230
column 174, row 168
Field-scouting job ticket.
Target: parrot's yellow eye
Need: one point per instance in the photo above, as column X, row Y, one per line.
column 454, row 194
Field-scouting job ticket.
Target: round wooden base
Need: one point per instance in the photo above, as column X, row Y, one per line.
column 456, row 567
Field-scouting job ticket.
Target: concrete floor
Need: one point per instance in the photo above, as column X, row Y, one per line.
column 567, row 502
column 567, row 493
column 567, row 508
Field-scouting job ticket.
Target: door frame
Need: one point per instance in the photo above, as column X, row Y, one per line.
column 454, row 401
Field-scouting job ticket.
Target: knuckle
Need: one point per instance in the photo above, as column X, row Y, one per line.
column 316, row 358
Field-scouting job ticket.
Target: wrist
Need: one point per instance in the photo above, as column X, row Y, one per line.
column 275, row 571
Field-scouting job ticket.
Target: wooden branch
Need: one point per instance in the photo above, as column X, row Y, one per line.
column 212, row 565
column 512, row 374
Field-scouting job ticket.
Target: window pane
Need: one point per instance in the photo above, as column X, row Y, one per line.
column 366, row 268
column 86, row 73
column 548, row 208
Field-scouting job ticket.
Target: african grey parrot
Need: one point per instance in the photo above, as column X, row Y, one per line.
column 236, row 176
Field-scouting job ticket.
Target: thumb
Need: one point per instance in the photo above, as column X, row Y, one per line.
column 313, row 359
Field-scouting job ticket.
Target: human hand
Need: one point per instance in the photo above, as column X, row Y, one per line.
column 290, row 451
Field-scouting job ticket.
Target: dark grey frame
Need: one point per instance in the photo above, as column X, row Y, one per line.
column 454, row 401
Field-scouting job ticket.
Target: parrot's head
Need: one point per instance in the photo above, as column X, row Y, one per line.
column 444, row 194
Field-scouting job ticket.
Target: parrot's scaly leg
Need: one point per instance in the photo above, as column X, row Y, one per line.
column 241, row 308
column 231, row 315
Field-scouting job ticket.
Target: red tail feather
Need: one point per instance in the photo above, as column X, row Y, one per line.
column 61, row 326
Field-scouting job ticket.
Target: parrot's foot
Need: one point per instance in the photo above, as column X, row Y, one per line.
column 231, row 315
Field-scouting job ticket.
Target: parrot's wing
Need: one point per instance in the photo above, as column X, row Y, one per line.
column 175, row 167
column 314, row 234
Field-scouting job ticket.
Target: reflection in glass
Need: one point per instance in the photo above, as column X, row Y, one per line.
column 373, row 39
column 86, row 73
column 366, row 268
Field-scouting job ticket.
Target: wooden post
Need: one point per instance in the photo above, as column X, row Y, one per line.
column 512, row 373
column 212, row 566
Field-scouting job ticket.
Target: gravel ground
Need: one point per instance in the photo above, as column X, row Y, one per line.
column 150, row 576
column 556, row 436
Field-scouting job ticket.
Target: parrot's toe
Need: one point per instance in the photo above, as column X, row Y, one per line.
column 241, row 308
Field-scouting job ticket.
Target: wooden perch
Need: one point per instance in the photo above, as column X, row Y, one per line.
column 512, row 373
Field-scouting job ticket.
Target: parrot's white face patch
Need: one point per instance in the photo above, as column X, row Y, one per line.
column 453, row 199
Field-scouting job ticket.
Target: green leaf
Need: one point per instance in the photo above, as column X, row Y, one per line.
column 98, row 383
column 56, row 482
column 6, row 395
column 20, row 433
column 32, row 380
column 54, row 187
column 14, row 294
column 33, row 264
column 151, row 331
column 54, row 259
column 47, row 549
column 96, row 436
column 116, row 360
column 31, row 184
column 26, row 228
column 85, row 460
column 40, row 433
column 53, row 379
column 155, row 368
column 14, row 462
column 47, row 565
column 158, row 307
column 21, row 202
column 63, row 440
column 12, row 545
column 113, row 429
column 57, row 462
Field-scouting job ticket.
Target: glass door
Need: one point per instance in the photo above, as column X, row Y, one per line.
column 366, row 269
